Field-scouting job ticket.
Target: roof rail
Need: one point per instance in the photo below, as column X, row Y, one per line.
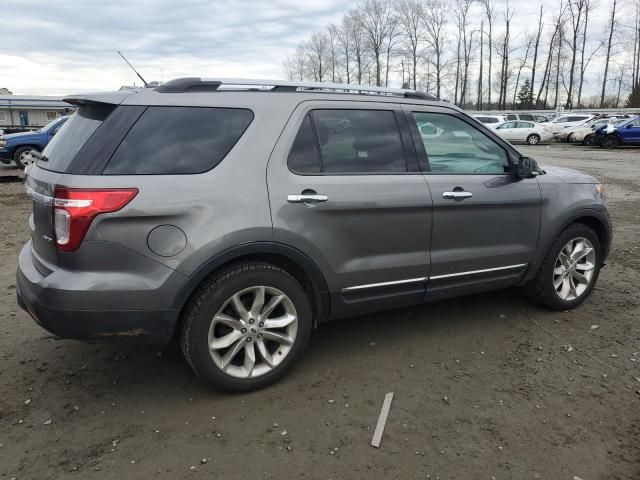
column 196, row 84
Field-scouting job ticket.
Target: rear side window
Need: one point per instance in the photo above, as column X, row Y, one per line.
column 512, row 117
column 72, row 136
column 348, row 141
column 178, row 140
column 526, row 116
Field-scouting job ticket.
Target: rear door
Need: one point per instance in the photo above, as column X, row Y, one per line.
column 485, row 220
column 345, row 189
column 507, row 131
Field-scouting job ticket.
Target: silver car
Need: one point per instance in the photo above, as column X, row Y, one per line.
column 235, row 216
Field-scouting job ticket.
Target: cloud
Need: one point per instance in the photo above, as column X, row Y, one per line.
column 70, row 46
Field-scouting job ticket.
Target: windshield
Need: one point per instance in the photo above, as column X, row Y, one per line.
column 52, row 124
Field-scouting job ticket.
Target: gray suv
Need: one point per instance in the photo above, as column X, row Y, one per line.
column 237, row 215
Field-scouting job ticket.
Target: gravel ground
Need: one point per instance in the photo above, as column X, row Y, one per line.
column 488, row 387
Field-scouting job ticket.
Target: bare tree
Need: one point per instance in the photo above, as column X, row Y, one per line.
column 535, row 54
column 523, row 63
column 393, row 36
column 332, row 31
column 489, row 9
column 481, row 65
column 410, row 15
column 504, row 48
column 576, row 11
column 317, row 52
column 344, row 41
column 358, row 44
column 465, row 40
column 374, row 17
column 435, row 22
column 612, row 26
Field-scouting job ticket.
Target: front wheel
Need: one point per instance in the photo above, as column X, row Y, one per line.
column 246, row 327
column 569, row 271
column 610, row 141
column 587, row 141
column 533, row 139
column 22, row 157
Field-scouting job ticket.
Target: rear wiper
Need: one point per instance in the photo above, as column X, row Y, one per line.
column 38, row 155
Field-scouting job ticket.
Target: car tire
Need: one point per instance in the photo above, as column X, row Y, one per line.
column 587, row 141
column 549, row 287
column 570, row 138
column 610, row 141
column 18, row 156
column 224, row 322
column 533, row 139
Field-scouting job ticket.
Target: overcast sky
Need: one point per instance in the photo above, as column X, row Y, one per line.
column 57, row 47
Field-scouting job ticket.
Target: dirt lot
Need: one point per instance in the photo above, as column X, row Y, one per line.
column 520, row 402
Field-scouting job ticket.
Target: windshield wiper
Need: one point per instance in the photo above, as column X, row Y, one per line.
column 38, row 155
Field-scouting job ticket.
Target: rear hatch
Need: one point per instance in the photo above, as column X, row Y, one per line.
column 60, row 156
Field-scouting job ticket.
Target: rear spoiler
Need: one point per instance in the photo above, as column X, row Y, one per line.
column 113, row 98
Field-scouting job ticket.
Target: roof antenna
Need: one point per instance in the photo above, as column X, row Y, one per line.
column 139, row 76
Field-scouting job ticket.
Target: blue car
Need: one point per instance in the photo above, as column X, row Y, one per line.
column 624, row 133
column 16, row 146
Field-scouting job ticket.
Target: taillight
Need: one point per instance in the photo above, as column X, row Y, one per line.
column 74, row 209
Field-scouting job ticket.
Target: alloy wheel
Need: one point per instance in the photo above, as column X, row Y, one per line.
column 574, row 269
column 253, row 332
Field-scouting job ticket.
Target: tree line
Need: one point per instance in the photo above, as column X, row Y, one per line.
column 475, row 54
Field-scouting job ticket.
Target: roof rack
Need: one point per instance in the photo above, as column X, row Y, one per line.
column 196, row 84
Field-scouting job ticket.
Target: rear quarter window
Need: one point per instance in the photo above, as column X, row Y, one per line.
column 178, row 140
column 72, row 136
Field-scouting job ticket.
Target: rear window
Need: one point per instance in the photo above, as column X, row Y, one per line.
column 178, row 140
column 72, row 136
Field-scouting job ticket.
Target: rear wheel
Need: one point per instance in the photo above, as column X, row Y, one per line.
column 533, row 139
column 610, row 141
column 246, row 327
column 569, row 271
column 22, row 157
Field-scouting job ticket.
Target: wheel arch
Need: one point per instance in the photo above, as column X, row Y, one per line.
column 594, row 219
column 296, row 263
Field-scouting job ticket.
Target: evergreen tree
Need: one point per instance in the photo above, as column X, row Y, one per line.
column 634, row 97
column 524, row 95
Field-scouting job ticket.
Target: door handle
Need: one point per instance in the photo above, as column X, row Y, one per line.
column 307, row 198
column 457, row 195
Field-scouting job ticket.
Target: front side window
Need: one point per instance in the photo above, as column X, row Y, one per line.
column 349, row 141
column 506, row 125
column 178, row 140
column 459, row 148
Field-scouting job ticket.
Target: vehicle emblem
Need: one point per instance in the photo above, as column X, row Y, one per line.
column 47, row 238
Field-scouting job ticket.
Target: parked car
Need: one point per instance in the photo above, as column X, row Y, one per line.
column 491, row 120
column 17, row 146
column 565, row 121
column 584, row 133
column 524, row 132
column 626, row 132
column 527, row 117
column 237, row 221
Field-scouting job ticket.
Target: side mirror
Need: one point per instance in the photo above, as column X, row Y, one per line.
column 527, row 168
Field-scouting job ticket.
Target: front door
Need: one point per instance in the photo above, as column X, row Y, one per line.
column 485, row 220
column 345, row 189
column 508, row 131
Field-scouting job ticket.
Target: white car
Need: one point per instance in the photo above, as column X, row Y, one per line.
column 524, row 132
column 491, row 121
column 584, row 133
column 566, row 121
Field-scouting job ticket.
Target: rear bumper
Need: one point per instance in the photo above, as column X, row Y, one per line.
column 60, row 317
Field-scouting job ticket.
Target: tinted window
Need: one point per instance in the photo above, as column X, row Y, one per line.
column 459, row 148
column 512, row 117
column 355, row 141
column 304, row 156
column 75, row 132
column 487, row 119
column 174, row 140
column 577, row 119
column 526, row 116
